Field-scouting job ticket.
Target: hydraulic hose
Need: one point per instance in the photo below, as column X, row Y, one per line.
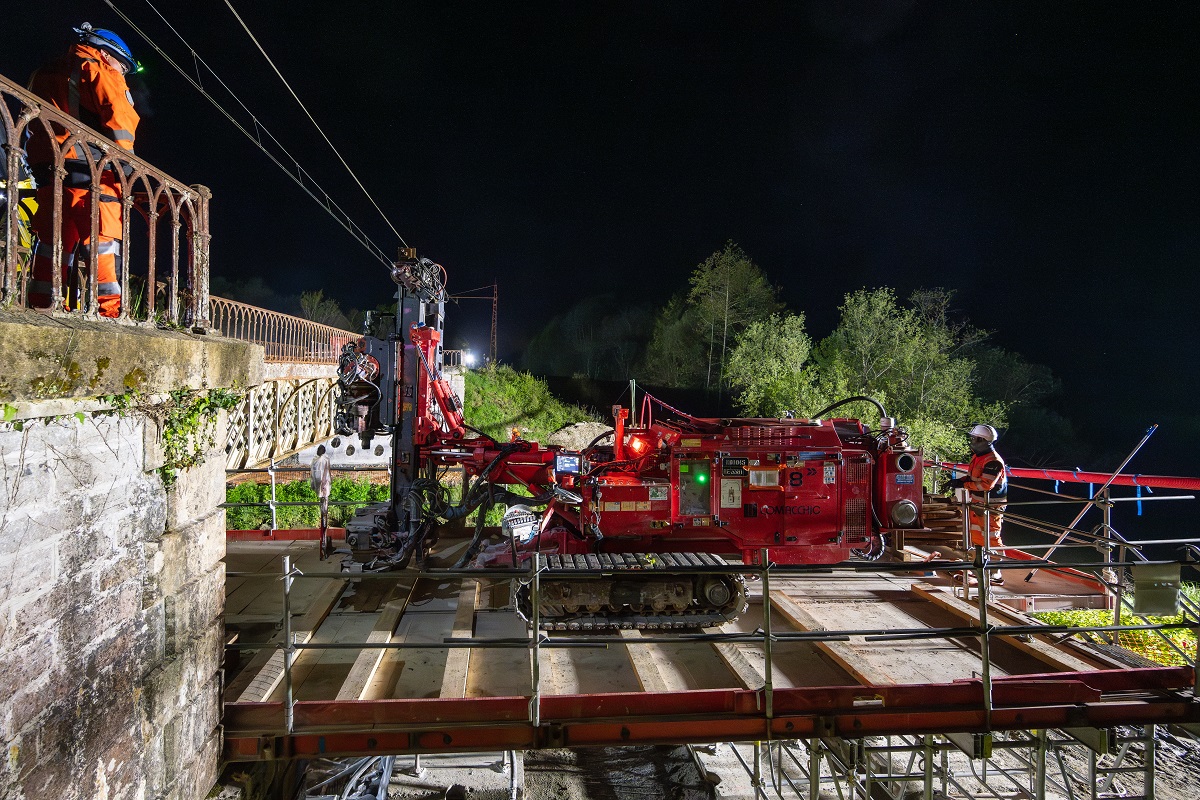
column 856, row 398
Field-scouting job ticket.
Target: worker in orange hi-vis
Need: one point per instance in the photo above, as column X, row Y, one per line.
column 89, row 84
column 986, row 474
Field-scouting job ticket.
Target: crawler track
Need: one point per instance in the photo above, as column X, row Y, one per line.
column 642, row 591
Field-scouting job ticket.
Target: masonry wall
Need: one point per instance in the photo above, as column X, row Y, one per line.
column 111, row 588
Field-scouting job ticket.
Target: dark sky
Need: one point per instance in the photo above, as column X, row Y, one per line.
column 1039, row 158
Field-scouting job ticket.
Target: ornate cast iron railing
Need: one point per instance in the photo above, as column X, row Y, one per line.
column 160, row 281
column 279, row 418
column 285, row 338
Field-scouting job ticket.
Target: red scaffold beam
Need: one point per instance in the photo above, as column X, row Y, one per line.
column 283, row 535
column 1079, row 476
column 256, row 731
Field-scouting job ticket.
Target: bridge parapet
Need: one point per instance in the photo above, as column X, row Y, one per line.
column 285, row 339
column 164, row 267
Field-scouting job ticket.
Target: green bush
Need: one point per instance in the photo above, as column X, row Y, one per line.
column 499, row 399
column 340, row 490
column 245, row 519
column 1147, row 644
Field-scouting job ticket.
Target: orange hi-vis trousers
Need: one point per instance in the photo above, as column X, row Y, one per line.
column 976, row 522
column 76, row 231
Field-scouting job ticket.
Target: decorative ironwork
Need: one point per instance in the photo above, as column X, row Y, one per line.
column 278, row 419
column 170, row 284
column 286, row 339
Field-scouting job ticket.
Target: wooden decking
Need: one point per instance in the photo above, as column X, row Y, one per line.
column 401, row 608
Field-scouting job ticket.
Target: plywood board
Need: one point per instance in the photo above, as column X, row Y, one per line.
column 879, row 662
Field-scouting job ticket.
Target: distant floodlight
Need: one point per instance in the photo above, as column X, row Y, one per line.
column 468, row 358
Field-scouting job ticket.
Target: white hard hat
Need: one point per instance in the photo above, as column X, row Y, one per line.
column 985, row 432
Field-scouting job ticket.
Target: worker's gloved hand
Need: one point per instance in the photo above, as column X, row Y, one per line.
column 958, row 483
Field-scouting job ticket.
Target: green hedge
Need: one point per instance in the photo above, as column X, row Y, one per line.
column 1147, row 644
column 340, row 490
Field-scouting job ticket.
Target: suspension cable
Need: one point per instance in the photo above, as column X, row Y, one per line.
column 299, row 177
column 316, row 125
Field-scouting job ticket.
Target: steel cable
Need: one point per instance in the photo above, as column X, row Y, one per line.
column 316, row 125
column 301, row 175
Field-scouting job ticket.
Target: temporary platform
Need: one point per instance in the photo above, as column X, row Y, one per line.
column 855, row 663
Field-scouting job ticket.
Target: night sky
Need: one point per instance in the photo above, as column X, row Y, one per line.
column 1039, row 158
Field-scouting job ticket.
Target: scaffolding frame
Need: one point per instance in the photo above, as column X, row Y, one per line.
column 977, row 743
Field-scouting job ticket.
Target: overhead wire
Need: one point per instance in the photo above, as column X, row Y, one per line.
column 300, row 176
column 316, row 125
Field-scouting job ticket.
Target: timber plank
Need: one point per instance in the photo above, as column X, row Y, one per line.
column 645, row 663
column 265, row 671
column 1036, row 647
column 458, row 659
column 843, row 654
column 368, row 661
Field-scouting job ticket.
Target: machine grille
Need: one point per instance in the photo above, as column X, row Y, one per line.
column 856, row 518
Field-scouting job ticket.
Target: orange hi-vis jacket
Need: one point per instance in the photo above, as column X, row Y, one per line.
column 985, row 473
column 83, row 85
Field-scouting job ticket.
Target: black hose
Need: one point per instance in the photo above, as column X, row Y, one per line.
column 597, row 440
column 855, row 398
column 490, row 438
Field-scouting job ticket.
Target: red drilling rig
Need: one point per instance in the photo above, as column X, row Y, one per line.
column 653, row 509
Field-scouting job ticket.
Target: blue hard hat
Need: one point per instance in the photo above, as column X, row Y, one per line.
column 109, row 42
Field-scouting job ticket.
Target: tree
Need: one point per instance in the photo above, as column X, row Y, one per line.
column 912, row 360
column 598, row 337
column 315, row 306
column 729, row 291
column 675, row 354
column 909, row 358
column 693, row 333
column 768, row 367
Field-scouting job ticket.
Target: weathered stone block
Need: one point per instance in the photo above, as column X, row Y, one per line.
column 110, row 631
column 197, row 494
column 56, row 357
column 205, row 541
column 34, row 659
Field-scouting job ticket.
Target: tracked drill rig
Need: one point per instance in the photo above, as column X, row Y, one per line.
column 646, row 513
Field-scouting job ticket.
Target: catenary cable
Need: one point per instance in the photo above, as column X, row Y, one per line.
column 330, row 206
column 316, row 125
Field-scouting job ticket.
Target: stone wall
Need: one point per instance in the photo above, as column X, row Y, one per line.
column 111, row 586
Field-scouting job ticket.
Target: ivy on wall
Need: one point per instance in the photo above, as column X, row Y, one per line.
column 187, row 422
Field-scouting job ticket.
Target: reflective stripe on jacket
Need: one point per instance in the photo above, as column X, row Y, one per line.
column 83, row 85
column 986, row 474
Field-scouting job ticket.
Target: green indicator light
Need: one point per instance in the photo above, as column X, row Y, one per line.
column 701, row 477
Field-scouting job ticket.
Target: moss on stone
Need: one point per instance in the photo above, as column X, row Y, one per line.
column 135, row 379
